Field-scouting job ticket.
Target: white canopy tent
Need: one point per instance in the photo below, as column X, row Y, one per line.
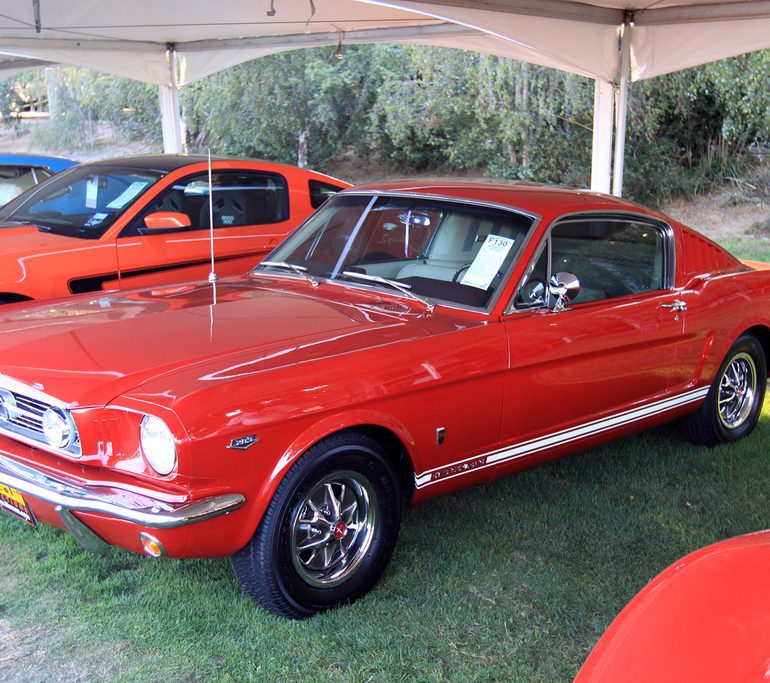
column 175, row 42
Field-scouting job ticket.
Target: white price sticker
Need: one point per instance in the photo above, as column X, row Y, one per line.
column 92, row 191
column 127, row 195
column 488, row 262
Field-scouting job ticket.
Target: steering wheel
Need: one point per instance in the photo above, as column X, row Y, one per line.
column 460, row 270
column 465, row 266
column 617, row 282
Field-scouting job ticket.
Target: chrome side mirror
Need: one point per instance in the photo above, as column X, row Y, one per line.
column 565, row 287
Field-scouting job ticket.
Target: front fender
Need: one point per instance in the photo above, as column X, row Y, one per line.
column 318, row 431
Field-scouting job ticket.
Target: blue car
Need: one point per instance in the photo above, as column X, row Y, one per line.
column 19, row 172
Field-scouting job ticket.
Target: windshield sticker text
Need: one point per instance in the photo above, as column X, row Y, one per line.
column 96, row 219
column 488, row 261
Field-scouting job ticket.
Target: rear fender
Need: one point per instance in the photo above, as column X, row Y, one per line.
column 717, row 348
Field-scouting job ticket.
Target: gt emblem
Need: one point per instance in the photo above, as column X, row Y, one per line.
column 243, row 442
column 339, row 530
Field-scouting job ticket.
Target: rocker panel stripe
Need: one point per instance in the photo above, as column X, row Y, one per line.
column 532, row 446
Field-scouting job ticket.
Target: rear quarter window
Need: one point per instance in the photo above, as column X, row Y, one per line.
column 320, row 192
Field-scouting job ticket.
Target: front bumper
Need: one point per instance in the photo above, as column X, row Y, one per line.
column 142, row 509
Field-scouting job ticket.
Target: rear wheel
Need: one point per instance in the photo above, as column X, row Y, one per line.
column 329, row 531
column 734, row 401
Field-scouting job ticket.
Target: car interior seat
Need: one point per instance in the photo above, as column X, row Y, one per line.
column 231, row 208
column 455, row 247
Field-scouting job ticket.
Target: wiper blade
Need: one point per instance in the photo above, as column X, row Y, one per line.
column 400, row 286
column 300, row 270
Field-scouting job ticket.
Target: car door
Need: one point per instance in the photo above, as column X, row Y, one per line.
column 251, row 214
column 610, row 357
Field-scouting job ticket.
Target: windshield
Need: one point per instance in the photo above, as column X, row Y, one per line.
column 445, row 250
column 81, row 202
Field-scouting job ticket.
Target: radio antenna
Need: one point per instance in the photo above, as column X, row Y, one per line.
column 212, row 275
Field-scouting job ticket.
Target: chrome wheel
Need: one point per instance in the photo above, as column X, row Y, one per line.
column 332, row 529
column 737, row 390
column 329, row 530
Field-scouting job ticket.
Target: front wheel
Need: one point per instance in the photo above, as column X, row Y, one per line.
column 329, row 531
column 734, row 401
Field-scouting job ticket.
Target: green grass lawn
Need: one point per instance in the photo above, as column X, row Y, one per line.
column 753, row 248
column 512, row 581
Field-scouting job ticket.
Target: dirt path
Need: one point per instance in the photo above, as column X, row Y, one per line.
column 719, row 215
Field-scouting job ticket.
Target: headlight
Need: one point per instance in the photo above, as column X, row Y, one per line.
column 158, row 444
column 57, row 428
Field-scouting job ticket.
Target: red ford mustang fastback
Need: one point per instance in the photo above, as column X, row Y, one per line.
column 142, row 221
column 406, row 341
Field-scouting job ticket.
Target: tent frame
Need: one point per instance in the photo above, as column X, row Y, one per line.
column 610, row 41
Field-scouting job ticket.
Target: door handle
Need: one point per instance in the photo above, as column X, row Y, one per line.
column 676, row 305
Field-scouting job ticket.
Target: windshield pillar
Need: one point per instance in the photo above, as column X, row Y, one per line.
column 349, row 244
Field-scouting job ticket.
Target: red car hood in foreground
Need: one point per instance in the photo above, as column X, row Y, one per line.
column 705, row 618
column 99, row 347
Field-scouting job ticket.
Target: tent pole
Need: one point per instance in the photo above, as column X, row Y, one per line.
column 621, row 116
column 170, row 116
column 601, row 153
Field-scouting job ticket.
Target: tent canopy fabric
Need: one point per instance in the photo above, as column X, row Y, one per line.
column 664, row 35
column 131, row 38
column 175, row 42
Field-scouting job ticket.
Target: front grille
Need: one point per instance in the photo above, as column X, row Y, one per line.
column 22, row 416
column 28, row 413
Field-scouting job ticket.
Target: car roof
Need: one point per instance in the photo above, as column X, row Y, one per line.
column 155, row 162
column 54, row 163
column 538, row 199
column 172, row 162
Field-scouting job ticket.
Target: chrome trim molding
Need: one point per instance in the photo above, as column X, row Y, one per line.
column 83, row 536
column 669, row 273
column 443, row 197
column 452, row 305
column 526, row 448
column 71, row 497
column 24, row 420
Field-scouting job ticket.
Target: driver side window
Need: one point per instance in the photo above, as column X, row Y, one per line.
column 611, row 257
column 239, row 198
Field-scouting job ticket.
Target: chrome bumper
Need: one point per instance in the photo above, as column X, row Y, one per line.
column 68, row 497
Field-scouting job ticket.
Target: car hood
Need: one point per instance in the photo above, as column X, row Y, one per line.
column 86, row 351
column 706, row 617
column 22, row 241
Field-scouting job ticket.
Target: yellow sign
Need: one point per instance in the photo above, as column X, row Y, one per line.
column 11, row 494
